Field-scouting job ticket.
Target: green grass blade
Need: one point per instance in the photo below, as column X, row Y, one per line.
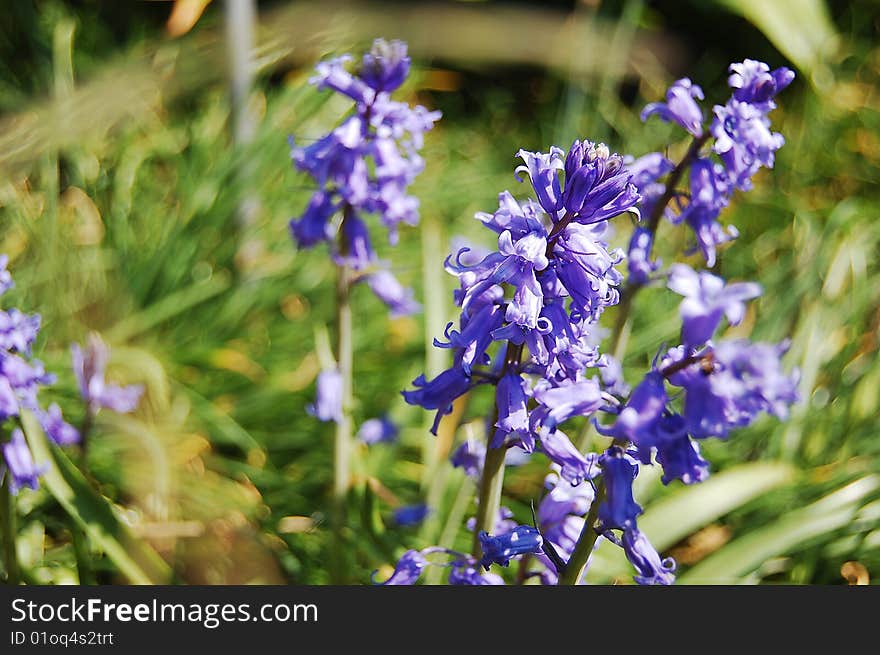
column 136, row 561
column 673, row 518
column 745, row 554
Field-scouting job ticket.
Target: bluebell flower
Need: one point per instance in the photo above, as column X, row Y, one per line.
column 377, row 430
column 753, row 82
column 677, row 453
column 89, row 367
column 364, row 165
column 574, row 466
column 409, row 515
column 522, row 540
column 56, row 427
column 619, row 509
column 22, row 470
column 639, row 262
column 707, row 298
column 734, row 382
column 680, row 107
column 396, row 297
column 503, row 524
column 408, row 570
column 542, row 169
column 598, row 185
column 511, row 397
column 470, row 457
column 559, row 402
column 328, row 399
column 475, row 337
column 650, row 569
column 439, row 393
column 385, row 66
column 710, row 193
column 465, row 572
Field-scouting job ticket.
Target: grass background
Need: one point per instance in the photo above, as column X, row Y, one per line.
column 119, row 189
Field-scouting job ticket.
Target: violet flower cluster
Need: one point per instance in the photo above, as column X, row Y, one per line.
column 364, row 166
column 21, row 378
column 741, row 141
column 529, row 327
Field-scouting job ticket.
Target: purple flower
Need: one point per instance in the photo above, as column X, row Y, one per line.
column 543, row 169
column 398, row 298
column 575, row 467
column 561, row 514
column 6, row 282
column 56, row 427
column 744, row 141
column 328, row 400
column 23, row 472
column 598, row 185
column 474, row 338
column 314, row 225
column 680, row 107
column 408, row 570
column 377, row 430
column 523, row 539
column 734, row 382
column 386, row 66
column 469, row 457
column 678, row 454
column 707, row 298
column 756, row 84
column 513, row 417
column 411, row 514
column 650, row 569
column 619, row 509
column 89, row 366
column 465, row 572
column 639, row 262
column 710, row 193
column 560, row 403
column 439, row 393
column 18, row 331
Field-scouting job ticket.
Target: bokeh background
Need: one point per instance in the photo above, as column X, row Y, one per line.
column 145, row 189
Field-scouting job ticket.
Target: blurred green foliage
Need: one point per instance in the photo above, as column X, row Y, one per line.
column 131, row 231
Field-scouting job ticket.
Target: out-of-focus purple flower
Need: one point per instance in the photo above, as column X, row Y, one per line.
column 523, row 539
column 469, row 457
column 465, row 572
column 6, row 282
column 89, row 368
column 706, row 299
column 639, row 261
column 651, row 570
column 504, row 522
column 56, row 427
column 408, row 570
column 611, row 374
column 385, row 66
column 575, row 467
column 377, row 430
column 23, row 472
column 744, row 141
column 314, row 226
column 411, row 514
column 328, row 398
column 439, row 393
column 18, row 331
column 619, row 509
column 732, row 384
column 398, row 298
column 680, row 107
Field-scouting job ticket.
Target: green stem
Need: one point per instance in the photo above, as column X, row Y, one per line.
column 7, row 516
column 83, row 556
column 587, row 539
column 490, row 493
column 343, row 442
column 492, row 480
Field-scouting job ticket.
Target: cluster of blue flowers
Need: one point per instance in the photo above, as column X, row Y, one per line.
column 22, row 376
column 364, row 166
column 529, row 327
column 740, row 137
